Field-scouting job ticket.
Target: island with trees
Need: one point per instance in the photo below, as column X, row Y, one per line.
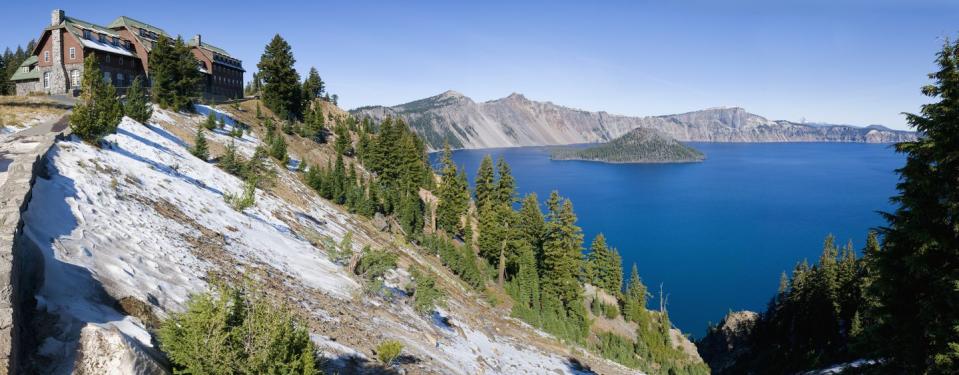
column 640, row 145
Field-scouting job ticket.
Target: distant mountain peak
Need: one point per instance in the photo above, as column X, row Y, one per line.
column 451, row 94
column 516, row 96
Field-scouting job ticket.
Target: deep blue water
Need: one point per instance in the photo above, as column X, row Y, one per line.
column 717, row 234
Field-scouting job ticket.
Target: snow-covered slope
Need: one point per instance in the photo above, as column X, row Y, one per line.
column 128, row 232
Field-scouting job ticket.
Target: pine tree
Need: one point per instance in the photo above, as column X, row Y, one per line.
column 281, row 90
column 173, row 74
column 605, row 266
column 200, row 147
column 634, row 307
column 137, row 106
column 313, row 86
column 343, row 143
column 506, row 185
column 484, row 182
column 918, row 266
column 98, row 112
column 230, row 161
column 210, row 122
column 453, row 195
column 278, row 148
column 562, row 262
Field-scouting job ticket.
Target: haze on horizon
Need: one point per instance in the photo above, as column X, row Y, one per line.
column 841, row 62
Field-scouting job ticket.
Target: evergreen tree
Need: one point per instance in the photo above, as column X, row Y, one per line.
column 634, row 306
column 231, row 333
column 562, row 262
column 173, row 74
column 278, row 148
column 98, row 112
column 281, row 90
column 918, row 266
column 506, row 185
column 484, row 182
column 343, row 143
column 453, row 195
column 313, row 86
column 230, row 161
column 210, row 122
column 137, row 106
column 605, row 266
column 200, row 147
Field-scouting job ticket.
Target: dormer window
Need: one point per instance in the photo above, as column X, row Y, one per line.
column 87, row 34
column 128, row 45
column 103, row 38
column 116, row 42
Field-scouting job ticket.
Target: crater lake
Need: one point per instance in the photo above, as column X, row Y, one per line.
column 717, row 234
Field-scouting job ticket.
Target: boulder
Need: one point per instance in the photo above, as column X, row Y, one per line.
column 108, row 351
column 380, row 222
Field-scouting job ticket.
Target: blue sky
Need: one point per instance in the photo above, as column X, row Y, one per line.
column 855, row 62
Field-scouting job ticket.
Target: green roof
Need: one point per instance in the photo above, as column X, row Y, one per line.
column 20, row 75
column 75, row 25
column 208, row 46
column 130, row 22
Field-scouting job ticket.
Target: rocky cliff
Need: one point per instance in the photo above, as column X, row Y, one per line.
column 517, row 121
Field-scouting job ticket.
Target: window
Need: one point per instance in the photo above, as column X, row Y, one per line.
column 46, row 80
column 116, row 42
column 103, row 38
column 73, row 53
column 75, row 78
column 120, row 80
column 107, row 58
column 46, row 56
column 106, row 77
column 121, row 60
column 128, row 45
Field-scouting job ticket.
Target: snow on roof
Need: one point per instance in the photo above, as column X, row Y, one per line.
column 106, row 47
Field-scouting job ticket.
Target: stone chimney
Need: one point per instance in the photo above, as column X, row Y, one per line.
column 198, row 40
column 56, row 17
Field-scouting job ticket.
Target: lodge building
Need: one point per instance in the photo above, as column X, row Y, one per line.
column 122, row 50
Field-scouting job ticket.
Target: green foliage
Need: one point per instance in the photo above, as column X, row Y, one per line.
column 245, row 200
column 460, row 259
column 634, row 302
column 210, row 122
column 137, row 106
column 231, row 161
column 281, row 89
column 343, row 143
column 313, row 86
column 200, row 148
column 232, row 332
column 426, row 296
column 173, row 74
column 561, row 264
column 373, row 264
column 388, row 351
column 604, row 266
column 343, row 251
column 485, row 183
column 278, row 148
column 98, row 112
column 453, row 194
column 917, row 286
column 816, row 319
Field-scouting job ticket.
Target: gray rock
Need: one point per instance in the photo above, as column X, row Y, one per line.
column 108, row 351
column 517, row 121
column 380, row 222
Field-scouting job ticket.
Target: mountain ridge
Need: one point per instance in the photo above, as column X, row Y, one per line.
column 516, row 121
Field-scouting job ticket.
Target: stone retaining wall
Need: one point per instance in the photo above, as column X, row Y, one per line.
column 21, row 267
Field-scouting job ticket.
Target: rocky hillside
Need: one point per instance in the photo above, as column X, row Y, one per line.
column 128, row 232
column 640, row 145
column 517, row 121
